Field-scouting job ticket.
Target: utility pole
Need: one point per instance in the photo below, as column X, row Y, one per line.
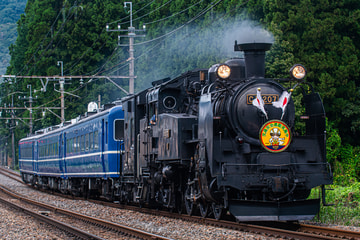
column 12, row 134
column 43, row 89
column 131, row 35
column 6, row 155
column 30, row 111
column 30, row 108
column 62, row 81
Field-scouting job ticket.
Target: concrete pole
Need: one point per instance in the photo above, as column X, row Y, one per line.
column 30, row 114
column 12, row 134
column 131, row 33
column 132, row 64
column 62, row 100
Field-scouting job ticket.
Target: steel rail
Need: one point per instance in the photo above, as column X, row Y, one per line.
column 278, row 229
column 60, row 225
column 331, row 231
column 11, row 174
column 281, row 229
column 126, row 230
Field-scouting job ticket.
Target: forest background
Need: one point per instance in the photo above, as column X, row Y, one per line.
column 10, row 11
column 182, row 35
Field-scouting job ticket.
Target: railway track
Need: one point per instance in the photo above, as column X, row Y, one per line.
column 272, row 229
column 288, row 230
column 94, row 228
column 326, row 232
column 11, row 174
column 74, row 232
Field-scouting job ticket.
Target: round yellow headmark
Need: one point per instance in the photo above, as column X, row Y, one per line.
column 275, row 136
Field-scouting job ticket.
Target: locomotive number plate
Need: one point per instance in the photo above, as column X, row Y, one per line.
column 268, row 98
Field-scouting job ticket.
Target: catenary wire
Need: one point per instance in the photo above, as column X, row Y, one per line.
column 202, row 12
column 185, row 36
column 133, row 13
column 173, row 15
column 150, row 49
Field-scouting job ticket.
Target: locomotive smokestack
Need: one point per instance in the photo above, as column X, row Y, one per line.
column 254, row 58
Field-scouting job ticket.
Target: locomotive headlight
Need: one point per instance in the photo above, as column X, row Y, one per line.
column 298, row 71
column 223, row 71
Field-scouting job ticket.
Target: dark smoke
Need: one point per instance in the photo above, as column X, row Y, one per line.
column 246, row 32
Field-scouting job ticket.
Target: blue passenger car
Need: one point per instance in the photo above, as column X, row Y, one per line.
column 48, row 158
column 28, row 156
column 93, row 145
column 77, row 156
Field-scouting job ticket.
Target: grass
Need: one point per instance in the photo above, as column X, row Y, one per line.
column 346, row 208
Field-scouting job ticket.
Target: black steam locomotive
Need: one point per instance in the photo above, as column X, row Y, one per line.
column 223, row 139
column 213, row 141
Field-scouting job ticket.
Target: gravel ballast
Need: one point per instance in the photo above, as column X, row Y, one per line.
column 15, row 225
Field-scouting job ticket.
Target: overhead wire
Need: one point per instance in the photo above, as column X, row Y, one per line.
column 104, row 30
column 163, row 37
column 116, row 22
column 84, row 54
column 173, row 15
column 63, row 25
column 128, row 16
column 60, row 30
column 205, row 10
column 202, row 12
column 138, row 18
column 91, row 80
column 189, row 34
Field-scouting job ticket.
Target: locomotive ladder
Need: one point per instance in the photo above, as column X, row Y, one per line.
column 139, row 191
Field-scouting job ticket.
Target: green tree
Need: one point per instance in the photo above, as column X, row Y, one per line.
column 324, row 36
column 183, row 35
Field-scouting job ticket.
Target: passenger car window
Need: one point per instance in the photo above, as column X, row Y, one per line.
column 91, row 141
column 96, row 140
column 87, row 142
column 119, row 130
column 82, row 143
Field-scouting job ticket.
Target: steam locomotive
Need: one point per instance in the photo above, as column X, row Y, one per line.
column 210, row 141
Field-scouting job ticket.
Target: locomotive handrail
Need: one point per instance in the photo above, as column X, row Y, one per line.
column 225, row 165
column 208, row 88
column 273, row 165
column 203, row 89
